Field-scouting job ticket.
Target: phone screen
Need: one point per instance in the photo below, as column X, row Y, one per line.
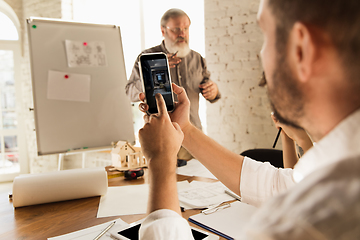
column 156, row 79
column 133, row 233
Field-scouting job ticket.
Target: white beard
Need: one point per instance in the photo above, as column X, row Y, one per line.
column 172, row 47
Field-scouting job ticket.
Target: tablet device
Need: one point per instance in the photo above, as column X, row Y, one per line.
column 132, row 233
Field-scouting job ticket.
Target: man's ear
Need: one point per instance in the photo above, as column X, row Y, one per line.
column 302, row 50
column 163, row 31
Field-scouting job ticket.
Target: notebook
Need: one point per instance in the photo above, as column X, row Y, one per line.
column 228, row 222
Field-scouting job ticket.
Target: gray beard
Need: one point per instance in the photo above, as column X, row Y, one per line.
column 173, row 48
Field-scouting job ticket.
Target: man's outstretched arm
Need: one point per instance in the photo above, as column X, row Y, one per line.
column 223, row 163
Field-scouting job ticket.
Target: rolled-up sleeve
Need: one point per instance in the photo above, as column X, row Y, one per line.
column 260, row 181
column 134, row 86
column 206, row 76
column 165, row 224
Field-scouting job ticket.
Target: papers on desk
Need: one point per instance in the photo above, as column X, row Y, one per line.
column 124, row 200
column 127, row 200
column 229, row 222
column 195, row 168
column 91, row 232
column 203, row 195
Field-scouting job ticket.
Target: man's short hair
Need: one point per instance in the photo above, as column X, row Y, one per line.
column 172, row 13
column 339, row 19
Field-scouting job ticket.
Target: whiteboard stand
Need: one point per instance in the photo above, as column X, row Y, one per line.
column 83, row 155
column 61, row 161
column 62, row 157
column 83, row 160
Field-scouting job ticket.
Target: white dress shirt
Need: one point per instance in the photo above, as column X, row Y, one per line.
column 165, row 224
column 324, row 204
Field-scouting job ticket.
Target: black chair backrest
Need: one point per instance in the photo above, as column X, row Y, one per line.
column 273, row 156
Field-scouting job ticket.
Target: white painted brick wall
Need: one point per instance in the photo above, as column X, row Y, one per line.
column 36, row 8
column 241, row 119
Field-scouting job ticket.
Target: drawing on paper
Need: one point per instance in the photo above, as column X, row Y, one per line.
column 85, row 54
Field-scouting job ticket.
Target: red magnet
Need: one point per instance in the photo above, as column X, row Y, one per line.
column 85, row 43
column 66, row 76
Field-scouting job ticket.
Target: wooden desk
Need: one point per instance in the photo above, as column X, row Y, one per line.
column 52, row 219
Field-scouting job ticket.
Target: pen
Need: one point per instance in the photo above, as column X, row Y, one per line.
column 277, row 137
column 174, row 54
column 105, row 230
column 233, row 195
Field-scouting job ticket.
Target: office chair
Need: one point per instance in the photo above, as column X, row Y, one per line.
column 273, row 156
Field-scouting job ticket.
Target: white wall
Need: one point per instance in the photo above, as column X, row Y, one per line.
column 241, row 119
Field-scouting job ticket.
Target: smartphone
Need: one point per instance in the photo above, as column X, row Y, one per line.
column 155, row 77
column 132, row 233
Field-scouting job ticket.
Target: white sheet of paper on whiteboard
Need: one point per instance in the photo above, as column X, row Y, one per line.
column 68, row 86
column 85, row 54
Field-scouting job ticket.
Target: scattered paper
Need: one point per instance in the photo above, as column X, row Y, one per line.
column 124, row 200
column 91, row 232
column 85, row 54
column 195, row 168
column 128, row 200
column 229, row 221
column 68, row 86
column 204, row 194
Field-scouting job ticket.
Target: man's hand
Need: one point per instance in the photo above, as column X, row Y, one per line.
column 173, row 60
column 298, row 135
column 209, row 90
column 182, row 108
column 160, row 139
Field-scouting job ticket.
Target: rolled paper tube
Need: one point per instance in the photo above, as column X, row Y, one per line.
column 32, row 189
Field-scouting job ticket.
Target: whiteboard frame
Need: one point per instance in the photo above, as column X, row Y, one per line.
column 107, row 118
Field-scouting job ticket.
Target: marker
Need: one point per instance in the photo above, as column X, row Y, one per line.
column 232, row 195
column 277, row 137
column 85, row 43
column 34, row 26
column 105, row 230
column 66, row 76
column 75, row 149
column 174, row 54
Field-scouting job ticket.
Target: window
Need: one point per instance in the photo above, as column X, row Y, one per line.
column 12, row 146
column 8, row 30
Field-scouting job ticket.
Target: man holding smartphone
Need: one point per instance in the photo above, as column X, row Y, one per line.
column 187, row 67
column 310, row 56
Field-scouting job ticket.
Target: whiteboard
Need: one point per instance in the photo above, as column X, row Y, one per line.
column 78, row 104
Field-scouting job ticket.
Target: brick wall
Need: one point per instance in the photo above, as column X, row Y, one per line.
column 241, row 119
column 36, row 8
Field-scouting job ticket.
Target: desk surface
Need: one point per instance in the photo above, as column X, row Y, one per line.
column 53, row 219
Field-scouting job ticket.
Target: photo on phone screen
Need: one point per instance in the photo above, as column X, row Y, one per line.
column 132, row 233
column 155, row 75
